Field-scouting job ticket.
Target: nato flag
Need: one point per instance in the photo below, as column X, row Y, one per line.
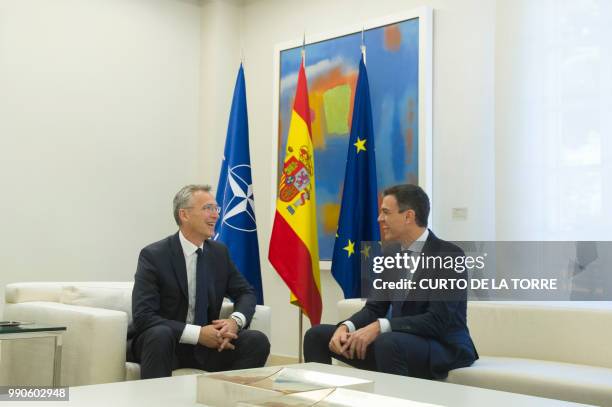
column 359, row 210
column 236, row 226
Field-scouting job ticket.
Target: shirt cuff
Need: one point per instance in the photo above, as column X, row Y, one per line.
column 349, row 325
column 191, row 334
column 241, row 317
column 385, row 325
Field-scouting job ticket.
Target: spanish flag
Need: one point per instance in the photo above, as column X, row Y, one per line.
column 294, row 248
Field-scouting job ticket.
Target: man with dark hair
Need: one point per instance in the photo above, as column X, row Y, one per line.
column 409, row 196
column 425, row 334
column 179, row 287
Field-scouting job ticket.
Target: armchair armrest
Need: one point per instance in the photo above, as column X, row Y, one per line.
column 262, row 320
column 346, row 308
column 93, row 344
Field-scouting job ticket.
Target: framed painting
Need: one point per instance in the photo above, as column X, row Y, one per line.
column 398, row 52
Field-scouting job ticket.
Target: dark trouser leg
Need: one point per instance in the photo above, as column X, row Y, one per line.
column 316, row 343
column 154, row 349
column 316, row 348
column 402, row 354
column 252, row 350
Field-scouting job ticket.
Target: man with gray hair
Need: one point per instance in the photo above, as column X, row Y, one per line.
column 179, row 287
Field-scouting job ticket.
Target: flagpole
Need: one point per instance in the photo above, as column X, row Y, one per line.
column 363, row 47
column 303, row 50
column 300, row 344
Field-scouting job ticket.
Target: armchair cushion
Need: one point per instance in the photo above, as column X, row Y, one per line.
column 118, row 297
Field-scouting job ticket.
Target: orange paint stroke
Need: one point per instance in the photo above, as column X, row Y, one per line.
column 330, row 213
column 317, row 119
column 393, row 38
column 409, row 135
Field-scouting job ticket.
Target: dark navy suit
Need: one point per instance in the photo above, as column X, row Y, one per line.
column 159, row 309
column 429, row 334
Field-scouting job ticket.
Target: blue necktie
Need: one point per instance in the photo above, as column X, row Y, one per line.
column 201, row 302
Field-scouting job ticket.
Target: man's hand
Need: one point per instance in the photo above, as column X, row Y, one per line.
column 227, row 330
column 338, row 340
column 209, row 337
column 359, row 341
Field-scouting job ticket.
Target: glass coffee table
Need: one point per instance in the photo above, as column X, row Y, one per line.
column 31, row 330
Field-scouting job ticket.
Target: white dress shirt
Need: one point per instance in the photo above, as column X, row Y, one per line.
column 191, row 333
column 416, row 248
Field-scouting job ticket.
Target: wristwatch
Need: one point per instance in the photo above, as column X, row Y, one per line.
column 238, row 321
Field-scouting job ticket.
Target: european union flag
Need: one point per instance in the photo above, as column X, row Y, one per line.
column 359, row 210
column 236, row 226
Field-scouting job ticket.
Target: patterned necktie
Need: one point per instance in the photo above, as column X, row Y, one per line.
column 201, row 302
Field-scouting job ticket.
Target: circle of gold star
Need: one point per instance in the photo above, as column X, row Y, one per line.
column 365, row 252
column 360, row 144
column 350, row 248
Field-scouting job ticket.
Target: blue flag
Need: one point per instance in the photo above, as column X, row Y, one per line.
column 359, row 210
column 236, row 226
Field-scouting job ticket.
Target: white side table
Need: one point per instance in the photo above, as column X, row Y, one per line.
column 28, row 331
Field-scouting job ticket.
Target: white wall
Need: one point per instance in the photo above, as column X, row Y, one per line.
column 100, row 101
column 99, row 126
column 552, row 120
column 221, row 54
column 463, row 116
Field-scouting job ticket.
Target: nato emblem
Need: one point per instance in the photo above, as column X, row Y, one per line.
column 238, row 204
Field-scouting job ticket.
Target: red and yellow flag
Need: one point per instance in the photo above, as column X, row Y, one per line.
column 294, row 248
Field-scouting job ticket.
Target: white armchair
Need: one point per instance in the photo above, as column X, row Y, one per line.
column 96, row 315
column 558, row 350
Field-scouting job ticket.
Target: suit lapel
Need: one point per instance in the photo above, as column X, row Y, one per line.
column 178, row 264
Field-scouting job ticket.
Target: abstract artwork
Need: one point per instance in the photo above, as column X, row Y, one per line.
column 392, row 59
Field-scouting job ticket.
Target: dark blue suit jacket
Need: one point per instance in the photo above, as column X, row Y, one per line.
column 437, row 315
column 160, row 286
